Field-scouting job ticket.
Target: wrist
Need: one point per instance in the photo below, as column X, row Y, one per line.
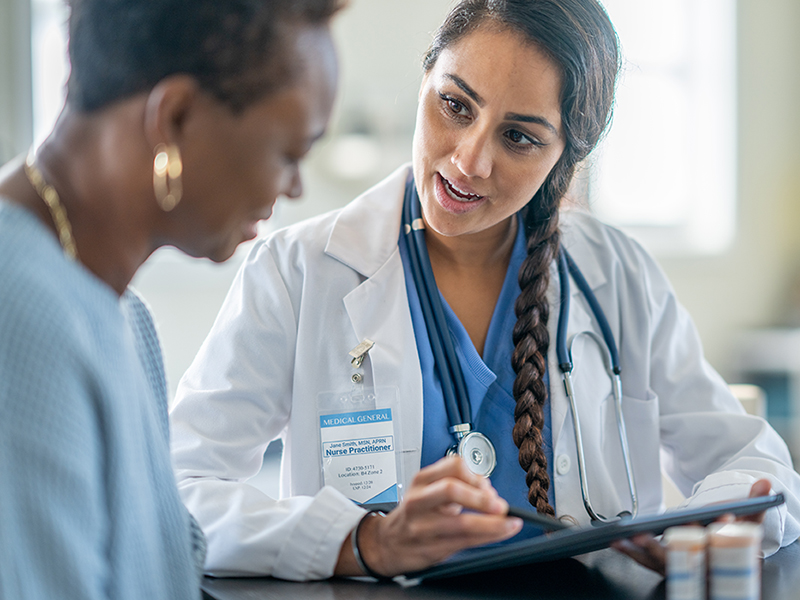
column 368, row 521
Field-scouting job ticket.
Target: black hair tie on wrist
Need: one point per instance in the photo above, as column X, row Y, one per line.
column 357, row 551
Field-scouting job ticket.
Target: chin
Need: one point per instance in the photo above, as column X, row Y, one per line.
column 218, row 252
column 222, row 254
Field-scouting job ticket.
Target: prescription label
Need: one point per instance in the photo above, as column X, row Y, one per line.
column 358, row 455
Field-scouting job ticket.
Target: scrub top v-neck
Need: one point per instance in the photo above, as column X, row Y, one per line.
column 489, row 382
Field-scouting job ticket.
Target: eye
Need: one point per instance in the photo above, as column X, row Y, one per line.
column 455, row 107
column 517, row 138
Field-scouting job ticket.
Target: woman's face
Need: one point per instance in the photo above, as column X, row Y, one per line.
column 236, row 165
column 488, row 131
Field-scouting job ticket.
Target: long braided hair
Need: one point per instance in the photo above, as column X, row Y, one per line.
column 578, row 36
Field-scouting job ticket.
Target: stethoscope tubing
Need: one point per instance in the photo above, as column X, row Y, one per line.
column 454, row 387
column 567, row 267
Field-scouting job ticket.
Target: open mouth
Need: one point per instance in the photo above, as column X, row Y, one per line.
column 457, row 194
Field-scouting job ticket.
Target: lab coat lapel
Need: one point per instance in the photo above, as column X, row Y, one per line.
column 378, row 308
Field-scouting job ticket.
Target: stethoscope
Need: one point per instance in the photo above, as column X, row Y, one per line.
column 472, row 446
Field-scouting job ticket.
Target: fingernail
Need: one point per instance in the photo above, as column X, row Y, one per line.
column 513, row 524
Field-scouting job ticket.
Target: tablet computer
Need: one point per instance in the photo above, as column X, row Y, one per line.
column 579, row 540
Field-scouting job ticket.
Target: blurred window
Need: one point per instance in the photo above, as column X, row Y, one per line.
column 49, row 62
column 666, row 173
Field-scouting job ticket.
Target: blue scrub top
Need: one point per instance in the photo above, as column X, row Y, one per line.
column 489, row 383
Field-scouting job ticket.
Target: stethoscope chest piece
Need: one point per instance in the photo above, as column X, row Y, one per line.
column 477, row 452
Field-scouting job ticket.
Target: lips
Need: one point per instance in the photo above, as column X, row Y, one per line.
column 458, row 194
column 456, row 198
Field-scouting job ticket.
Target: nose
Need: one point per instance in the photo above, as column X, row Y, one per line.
column 473, row 153
column 293, row 183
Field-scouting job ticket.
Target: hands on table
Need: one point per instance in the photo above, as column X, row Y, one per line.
column 431, row 522
column 648, row 551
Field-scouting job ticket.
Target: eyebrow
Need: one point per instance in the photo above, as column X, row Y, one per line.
column 476, row 97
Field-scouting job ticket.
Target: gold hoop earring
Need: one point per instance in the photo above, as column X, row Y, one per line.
column 167, row 171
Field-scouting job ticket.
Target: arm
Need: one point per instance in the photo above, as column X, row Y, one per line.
column 236, row 397
column 716, row 451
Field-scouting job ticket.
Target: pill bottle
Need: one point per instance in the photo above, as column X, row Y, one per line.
column 734, row 555
column 686, row 562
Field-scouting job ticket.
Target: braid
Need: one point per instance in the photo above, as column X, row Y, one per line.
column 531, row 341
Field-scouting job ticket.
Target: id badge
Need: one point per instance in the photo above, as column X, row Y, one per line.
column 358, row 434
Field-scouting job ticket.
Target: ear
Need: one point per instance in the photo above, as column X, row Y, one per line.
column 167, row 107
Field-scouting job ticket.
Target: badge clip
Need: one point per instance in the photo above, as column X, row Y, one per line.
column 359, row 352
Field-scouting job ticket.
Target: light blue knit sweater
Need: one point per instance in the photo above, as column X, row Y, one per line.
column 88, row 504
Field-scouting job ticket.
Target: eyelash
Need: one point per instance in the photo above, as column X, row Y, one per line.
column 454, row 107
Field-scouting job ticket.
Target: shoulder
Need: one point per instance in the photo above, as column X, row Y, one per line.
column 367, row 228
column 52, row 312
column 40, row 304
column 606, row 254
column 583, row 231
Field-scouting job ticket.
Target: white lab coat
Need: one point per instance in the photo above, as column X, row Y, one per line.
column 309, row 294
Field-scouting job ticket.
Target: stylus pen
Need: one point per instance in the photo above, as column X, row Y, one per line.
column 534, row 518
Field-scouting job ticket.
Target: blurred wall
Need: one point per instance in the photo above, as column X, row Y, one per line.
column 381, row 43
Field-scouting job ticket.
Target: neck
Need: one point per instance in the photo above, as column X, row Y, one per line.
column 110, row 230
column 486, row 250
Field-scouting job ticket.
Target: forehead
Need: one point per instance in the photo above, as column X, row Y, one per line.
column 503, row 67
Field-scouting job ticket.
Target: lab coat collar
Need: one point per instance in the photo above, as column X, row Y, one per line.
column 584, row 247
column 381, row 207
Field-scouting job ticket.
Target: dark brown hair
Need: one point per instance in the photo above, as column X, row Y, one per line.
column 236, row 49
column 579, row 37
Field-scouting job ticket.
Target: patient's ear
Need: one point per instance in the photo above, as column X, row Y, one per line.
column 167, row 107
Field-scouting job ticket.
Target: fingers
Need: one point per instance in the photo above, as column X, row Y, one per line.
column 762, row 487
column 449, row 482
column 450, row 466
column 450, row 490
column 403, row 541
column 446, row 508
column 645, row 550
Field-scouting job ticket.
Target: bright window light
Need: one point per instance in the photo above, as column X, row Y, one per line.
column 666, row 172
column 50, row 63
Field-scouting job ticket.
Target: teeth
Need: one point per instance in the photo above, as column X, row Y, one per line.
column 457, row 194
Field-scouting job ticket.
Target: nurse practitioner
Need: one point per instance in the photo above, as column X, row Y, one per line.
column 329, row 342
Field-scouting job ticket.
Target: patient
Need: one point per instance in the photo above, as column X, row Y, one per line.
column 184, row 122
